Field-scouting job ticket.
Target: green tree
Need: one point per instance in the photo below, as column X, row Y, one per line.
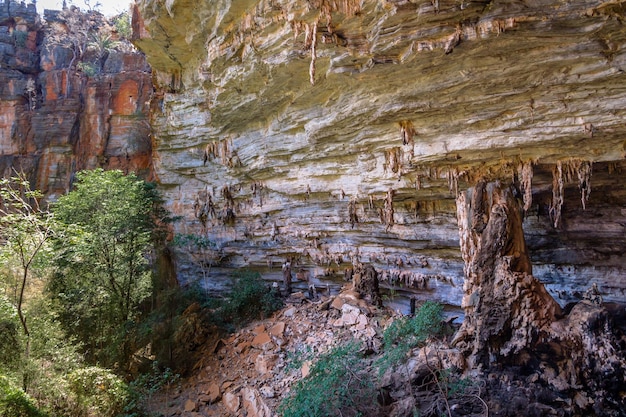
column 102, row 269
column 25, row 229
column 123, row 26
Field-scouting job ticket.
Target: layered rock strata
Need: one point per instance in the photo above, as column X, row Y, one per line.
column 68, row 102
column 341, row 132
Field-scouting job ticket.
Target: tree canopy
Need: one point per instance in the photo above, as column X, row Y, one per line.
column 102, row 269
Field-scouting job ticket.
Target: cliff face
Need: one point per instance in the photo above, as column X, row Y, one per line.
column 336, row 132
column 66, row 102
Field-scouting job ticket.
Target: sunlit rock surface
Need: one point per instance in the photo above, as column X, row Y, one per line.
column 331, row 132
column 56, row 119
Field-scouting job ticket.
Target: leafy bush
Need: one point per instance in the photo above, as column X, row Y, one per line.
column 16, row 403
column 98, row 391
column 10, row 346
column 338, row 384
column 406, row 333
column 122, row 24
column 251, row 298
column 20, row 38
column 145, row 386
column 88, row 68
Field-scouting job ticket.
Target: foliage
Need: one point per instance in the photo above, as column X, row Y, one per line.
column 201, row 250
column 102, row 271
column 122, row 24
column 10, row 345
column 452, row 384
column 296, row 359
column 406, row 333
column 337, row 384
column 101, row 43
column 161, row 327
column 53, row 356
column 56, row 377
column 88, row 68
column 98, row 391
column 250, row 299
column 14, row 402
column 145, row 386
column 449, row 391
column 25, row 229
column 101, row 254
column 20, row 38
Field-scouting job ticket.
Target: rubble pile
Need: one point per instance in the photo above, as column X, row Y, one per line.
column 249, row 372
column 579, row 371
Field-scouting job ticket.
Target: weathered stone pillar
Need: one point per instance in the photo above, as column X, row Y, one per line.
column 505, row 306
column 365, row 281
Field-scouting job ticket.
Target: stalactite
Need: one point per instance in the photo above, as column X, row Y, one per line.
column 313, row 53
column 307, row 34
column 406, row 132
column 224, row 152
column 584, row 181
column 388, row 210
column 210, row 151
column 222, row 149
column 393, row 160
column 453, row 180
column 454, row 40
column 525, row 172
column 203, row 207
column 352, row 213
column 557, row 194
column 435, row 4
column 564, row 173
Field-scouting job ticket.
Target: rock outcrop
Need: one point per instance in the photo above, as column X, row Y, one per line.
column 334, row 133
column 506, row 308
column 72, row 96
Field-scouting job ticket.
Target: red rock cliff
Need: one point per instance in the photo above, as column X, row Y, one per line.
column 72, row 96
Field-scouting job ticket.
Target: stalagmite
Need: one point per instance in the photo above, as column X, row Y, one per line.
column 505, row 306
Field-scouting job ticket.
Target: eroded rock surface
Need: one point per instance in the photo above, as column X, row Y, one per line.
column 340, row 132
column 506, row 308
column 72, row 97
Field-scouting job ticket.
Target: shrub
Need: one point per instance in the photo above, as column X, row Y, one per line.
column 98, row 391
column 251, row 298
column 122, row 24
column 20, row 37
column 337, row 384
column 406, row 333
column 88, row 68
column 10, row 346
column 145, row 386
column 16, row 403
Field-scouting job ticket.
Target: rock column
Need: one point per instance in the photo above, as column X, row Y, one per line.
column 505, row 306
